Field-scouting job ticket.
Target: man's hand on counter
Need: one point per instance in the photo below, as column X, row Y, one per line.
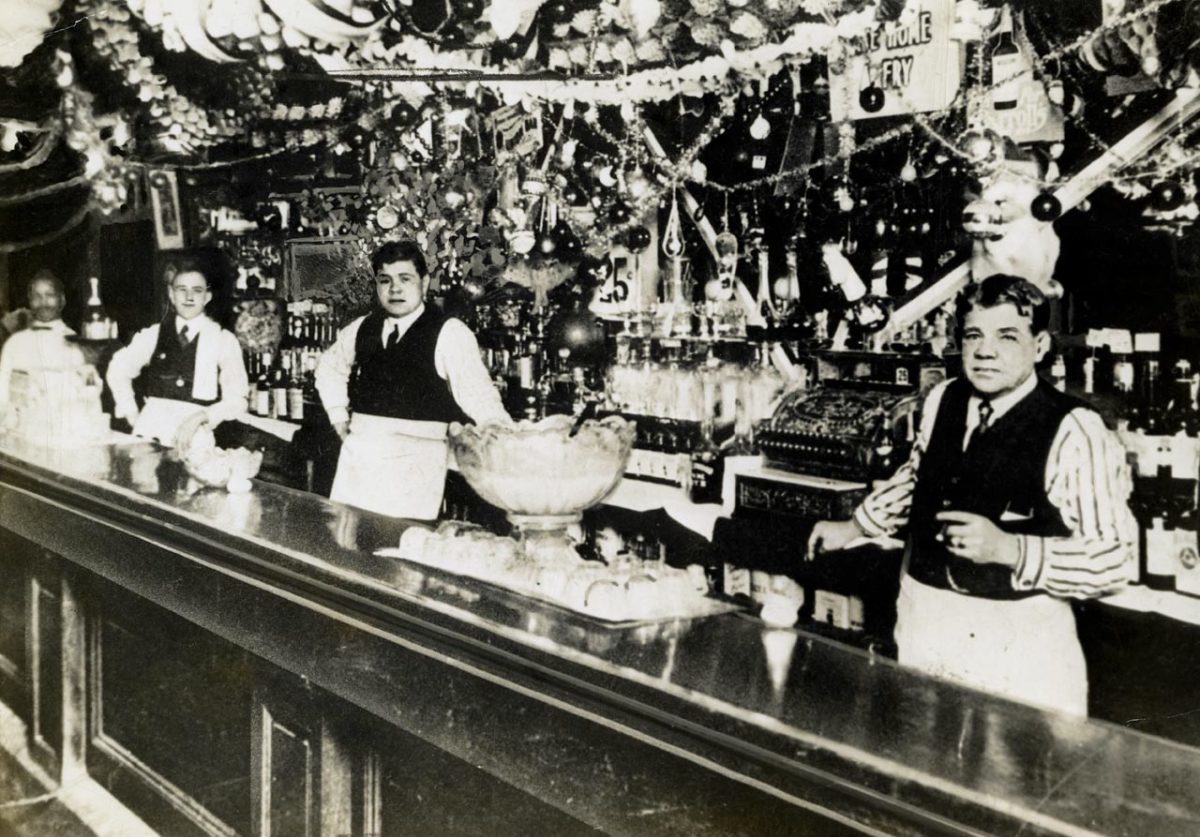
column 342, row 428
column 977, row 539
column 830, row 536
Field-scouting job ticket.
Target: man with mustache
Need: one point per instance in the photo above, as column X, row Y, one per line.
column 43, row 344
column 1015, row 501
column 392, row 382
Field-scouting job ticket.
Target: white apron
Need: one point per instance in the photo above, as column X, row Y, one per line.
column 392, row 466
column 1024, row 649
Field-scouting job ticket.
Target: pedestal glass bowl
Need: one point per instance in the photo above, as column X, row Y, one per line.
column 542, row 476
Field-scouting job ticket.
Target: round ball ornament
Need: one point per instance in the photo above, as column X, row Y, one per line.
column 1046, row 207
column 871, row 99
column 404, row 115
column 547, row 246
column 638, row 239
column 760, row 128
column 1166, row 196
column 620, row 212
column 719, row 289
column 468, row 9
column 557, row 11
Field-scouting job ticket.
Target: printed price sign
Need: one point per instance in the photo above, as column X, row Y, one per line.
column 912, row 60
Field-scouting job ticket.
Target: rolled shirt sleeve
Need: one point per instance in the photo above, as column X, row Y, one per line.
column 235, row 383
column 332, row 375
column 458, row 360
column 126, row 364
column 1088, row 481
column 885, row 510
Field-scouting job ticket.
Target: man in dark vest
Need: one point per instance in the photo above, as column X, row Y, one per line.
column 187, row 359
column 392, row 382
column 1014, row 501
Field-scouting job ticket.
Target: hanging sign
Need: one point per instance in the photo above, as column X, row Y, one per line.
column 912, row 61
column 1034, row 118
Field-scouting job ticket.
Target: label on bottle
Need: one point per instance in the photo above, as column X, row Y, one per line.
column 295, row 403
column 1007, row 67
column 1160, row 557
column 279, row 402
column 262, row 402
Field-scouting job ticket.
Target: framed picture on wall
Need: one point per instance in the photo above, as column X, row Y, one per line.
column 164, row 198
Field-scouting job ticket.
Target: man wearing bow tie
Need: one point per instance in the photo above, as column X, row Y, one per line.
column 1014, row 501
column 391, row 384
column 187, row 357
column 44, row 344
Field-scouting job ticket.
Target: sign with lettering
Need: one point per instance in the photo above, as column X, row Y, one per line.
column 1035, row 118
column 912, row 60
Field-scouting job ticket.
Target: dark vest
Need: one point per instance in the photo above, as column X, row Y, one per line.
column 1002, row 470
column 401, row 382
column 172, row 367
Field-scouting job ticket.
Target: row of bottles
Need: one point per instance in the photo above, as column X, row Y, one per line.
column 1158, row 421
column 282, row 384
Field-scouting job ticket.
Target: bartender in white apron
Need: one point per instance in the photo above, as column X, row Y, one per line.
column 186, row 363
column 1015, row 501
column 391, row 384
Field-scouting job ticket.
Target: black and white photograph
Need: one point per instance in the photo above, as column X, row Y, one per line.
column 474, row 418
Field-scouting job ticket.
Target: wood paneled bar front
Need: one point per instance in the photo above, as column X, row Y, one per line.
column 244, row 664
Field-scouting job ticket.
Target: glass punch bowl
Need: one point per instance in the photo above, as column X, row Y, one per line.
column 542, row 476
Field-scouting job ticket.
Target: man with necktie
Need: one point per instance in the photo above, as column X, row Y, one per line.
column 1015, row 500
column 43, row 344
column 392, row 382
column 187, row 358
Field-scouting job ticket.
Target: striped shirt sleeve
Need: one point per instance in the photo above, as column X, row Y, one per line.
column 1088, row 481
column 885, row 510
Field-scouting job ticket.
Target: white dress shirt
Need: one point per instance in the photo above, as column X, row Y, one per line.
column 456, row 359
column 1087, row 479
column 41, row 346
column 219, row 370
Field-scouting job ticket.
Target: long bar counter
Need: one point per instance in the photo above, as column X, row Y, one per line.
column 244, row 664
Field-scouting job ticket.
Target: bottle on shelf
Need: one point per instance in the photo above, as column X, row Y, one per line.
column 279, row 386
column 1158, row 559
column 262, row 387
column 96, row 323
column 295, row 391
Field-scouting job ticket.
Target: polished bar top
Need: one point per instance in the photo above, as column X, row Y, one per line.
column 807, row 704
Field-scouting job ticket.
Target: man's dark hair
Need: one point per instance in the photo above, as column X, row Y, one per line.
column 192, row 264
column 405, row 250
column 1001, row 289
column 47, row 275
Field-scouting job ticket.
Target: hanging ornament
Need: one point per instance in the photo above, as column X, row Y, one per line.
column 1166, row 196
column 672, row 237
column 619, row 213
column 871, row 99
column 557, row 11
column 637, row 184
column 387, row 218
column 546, row 244
column 638, row 239
column 909, row 172
column 760, row 128
column 404, row 114
column 984, row 148
column 571, row 195
column 719, row 289
column 595, row 271
column 699, row 172
column 1045, row 207
column 844, row 199
column 606, row 176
